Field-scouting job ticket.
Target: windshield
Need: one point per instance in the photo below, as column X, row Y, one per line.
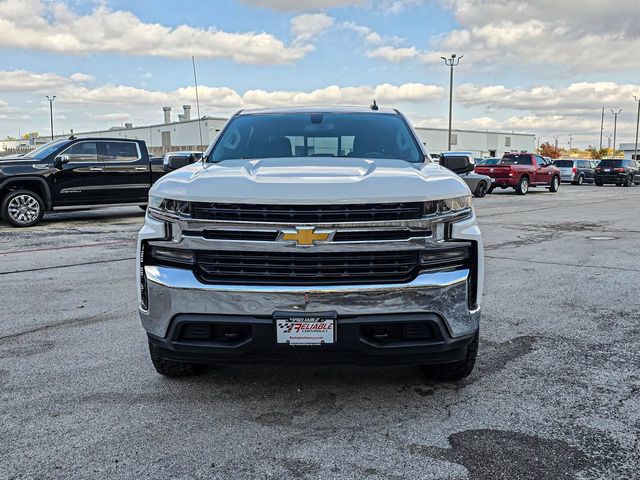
column 356, row 135
column 46, row 149
column 563, row 163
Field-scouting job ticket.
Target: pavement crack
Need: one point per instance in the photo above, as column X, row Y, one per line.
column 564, row 264
column 77, row 321
column 95, row 262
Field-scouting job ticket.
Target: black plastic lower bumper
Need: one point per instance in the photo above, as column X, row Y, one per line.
column 415, row 338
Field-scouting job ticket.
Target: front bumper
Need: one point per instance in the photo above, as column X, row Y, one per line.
column 354, row 344
column 437, row 299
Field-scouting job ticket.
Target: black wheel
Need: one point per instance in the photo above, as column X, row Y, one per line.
column 580, row 180
column 555, row 184
column 490, row 189
column 628, row 181
column 523, row 186
column 481, row 190
column 172, row 369
column 457, row 370
column 22, row 208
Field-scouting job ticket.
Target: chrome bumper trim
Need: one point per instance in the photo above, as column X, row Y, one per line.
column 175, row 291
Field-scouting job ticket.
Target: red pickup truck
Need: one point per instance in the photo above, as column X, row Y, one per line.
column 521, row 171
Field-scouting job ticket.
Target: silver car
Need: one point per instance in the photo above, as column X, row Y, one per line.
column 478, row 184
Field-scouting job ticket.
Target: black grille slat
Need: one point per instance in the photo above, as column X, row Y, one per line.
column 301, row 214
column 306, row 268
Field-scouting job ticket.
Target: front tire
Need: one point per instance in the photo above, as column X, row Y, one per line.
column 555, row 184
column 481, row 190
column 22, row 208
column 629, row 181
column 172, row 369
column 523, row 186
column 580, row 180
column 451, row 372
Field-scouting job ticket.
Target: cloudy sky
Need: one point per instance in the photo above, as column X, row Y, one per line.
column 540, row 66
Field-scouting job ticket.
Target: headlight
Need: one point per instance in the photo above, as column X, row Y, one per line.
column 456, row 204
column 448, row 205
column 178, row 208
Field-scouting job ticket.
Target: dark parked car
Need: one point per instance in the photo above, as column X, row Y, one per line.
column 619, row 171
column 576, row 171
column 74, row 174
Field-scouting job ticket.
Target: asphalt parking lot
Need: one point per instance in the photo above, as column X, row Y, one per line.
column 555, row 395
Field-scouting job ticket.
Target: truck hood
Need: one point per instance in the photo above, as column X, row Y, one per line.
column 310, row 181
column 9, row 159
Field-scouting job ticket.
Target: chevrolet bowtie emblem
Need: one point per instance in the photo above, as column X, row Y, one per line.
column 305, row 236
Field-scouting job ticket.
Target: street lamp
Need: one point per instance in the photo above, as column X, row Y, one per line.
column 51, row 99
column 451, row 62
column 601, row 127
column 615, row 128
column 635, row 152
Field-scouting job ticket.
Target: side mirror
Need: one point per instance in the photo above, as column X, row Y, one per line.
column 61, row 160
column 458, row 163
column 172, row 163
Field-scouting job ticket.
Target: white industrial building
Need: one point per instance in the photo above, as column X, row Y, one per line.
column 629, row 150
column 185, row 134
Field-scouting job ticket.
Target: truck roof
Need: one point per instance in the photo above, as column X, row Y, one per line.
column 317, row 109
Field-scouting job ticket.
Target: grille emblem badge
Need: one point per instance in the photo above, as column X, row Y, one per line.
column 305, row 236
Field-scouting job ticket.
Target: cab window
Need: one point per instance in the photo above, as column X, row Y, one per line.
column 120, row 152
column 82, row 152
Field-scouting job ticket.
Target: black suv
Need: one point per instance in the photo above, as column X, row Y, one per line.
column 619, row 171
column 576, row 171
column 75, row 173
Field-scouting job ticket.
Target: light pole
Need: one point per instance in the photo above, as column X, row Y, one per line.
column 570, row 142
column 635, row 151
column 451, row 62
column 615, row 128
column 51, row 99
column 601, row 127
column 556, row 144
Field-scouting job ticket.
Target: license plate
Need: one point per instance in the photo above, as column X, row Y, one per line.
column 306, row 329
column 607, row 169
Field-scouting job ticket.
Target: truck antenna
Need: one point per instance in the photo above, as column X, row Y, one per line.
column 374, row 105
column 195, row 81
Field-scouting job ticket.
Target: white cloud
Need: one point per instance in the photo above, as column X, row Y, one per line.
column 54, row 27
column 302, row 5
column 574, row 99
column 309, row 25
column 594, row 35
column 394, row 54
column 227, row 99
column 396, row 6
column 24, row 81
column 118, row 117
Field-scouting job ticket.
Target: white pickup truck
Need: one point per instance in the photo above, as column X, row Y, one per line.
column 322, row 235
